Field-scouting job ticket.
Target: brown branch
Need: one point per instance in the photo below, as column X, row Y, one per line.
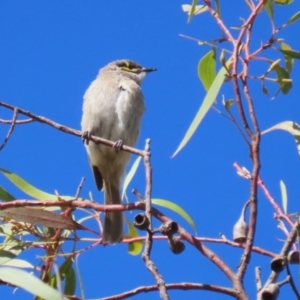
column 148, row 242
column 175, row 286
column 68, row 130
column 220, row 22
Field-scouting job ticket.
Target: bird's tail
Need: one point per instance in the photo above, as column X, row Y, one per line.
column 113, row 222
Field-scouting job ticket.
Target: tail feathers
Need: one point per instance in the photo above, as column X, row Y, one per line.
column 113, row 222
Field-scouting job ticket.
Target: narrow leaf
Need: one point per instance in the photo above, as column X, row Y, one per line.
column 194, row 9
column 283, row 196
column 291, row 53
column 29, row 189
column 5, row 196
column 199, row 9
column 134, row 248
column 6, row 256
column 70, row 285
column 39, row 217
column 289, row 126
column 283, row 2
column 19, row 263
column 294, row 18
column 206, row 105
column 176, row 208
column 29, row 283
column 130, row 175
column 268, row 6
column 66, row 273
column 273, row 65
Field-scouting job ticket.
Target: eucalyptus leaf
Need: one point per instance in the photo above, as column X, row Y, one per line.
column 283, row 196
column 294, row 18
column 29, row 189
column 29, row 283
column 204, row 108
column 130, row 175
column 134, row 248
column 289, row 126
column 176, row 208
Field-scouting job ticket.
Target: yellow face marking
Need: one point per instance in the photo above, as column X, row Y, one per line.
column 128, row 69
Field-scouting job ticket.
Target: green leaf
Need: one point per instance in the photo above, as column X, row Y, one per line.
column 206, row 105
column 268, row 6
column 70, row 285
column 5, row 196
column 283, row 196
column 207, row 69
column 67, row 273
column 291, row 53
column 130, row 174
column 29, row 189
column 194, row 9
column 273, row 65
column 19, row 263
column 281, row 75
column 289, row 61
column 6, row 256
column 29, row 283
column 294, row 18
column 176, row 208
column 283, row 2
column 289, row 126
column 134, row 248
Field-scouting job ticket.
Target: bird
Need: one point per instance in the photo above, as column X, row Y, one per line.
column 113, row 107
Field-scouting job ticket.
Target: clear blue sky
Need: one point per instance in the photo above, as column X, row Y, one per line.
column 49, row 54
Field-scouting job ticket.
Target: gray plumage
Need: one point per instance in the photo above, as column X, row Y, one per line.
column 112, row 109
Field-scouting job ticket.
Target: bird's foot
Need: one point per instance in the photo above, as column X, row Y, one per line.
column 86, row 135
column 118, row 145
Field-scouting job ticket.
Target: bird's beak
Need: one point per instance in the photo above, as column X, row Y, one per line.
column 148, row 70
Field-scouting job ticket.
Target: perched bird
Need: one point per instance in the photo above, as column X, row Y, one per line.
column 112, row 109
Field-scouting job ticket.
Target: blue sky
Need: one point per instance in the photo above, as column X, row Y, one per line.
column 51, row 51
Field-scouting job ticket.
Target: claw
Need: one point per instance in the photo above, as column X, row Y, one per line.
column 118, row 145
column 86, row 135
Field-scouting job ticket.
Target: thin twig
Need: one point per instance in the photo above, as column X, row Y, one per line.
column 258, row 279
column 188, row 286
column 11, row 129
column 18, row 122
column 79, row 188
column 148, row 242
column 291, row 281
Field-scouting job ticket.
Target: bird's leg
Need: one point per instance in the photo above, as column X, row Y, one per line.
column 86, row 135
column 118, row 145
